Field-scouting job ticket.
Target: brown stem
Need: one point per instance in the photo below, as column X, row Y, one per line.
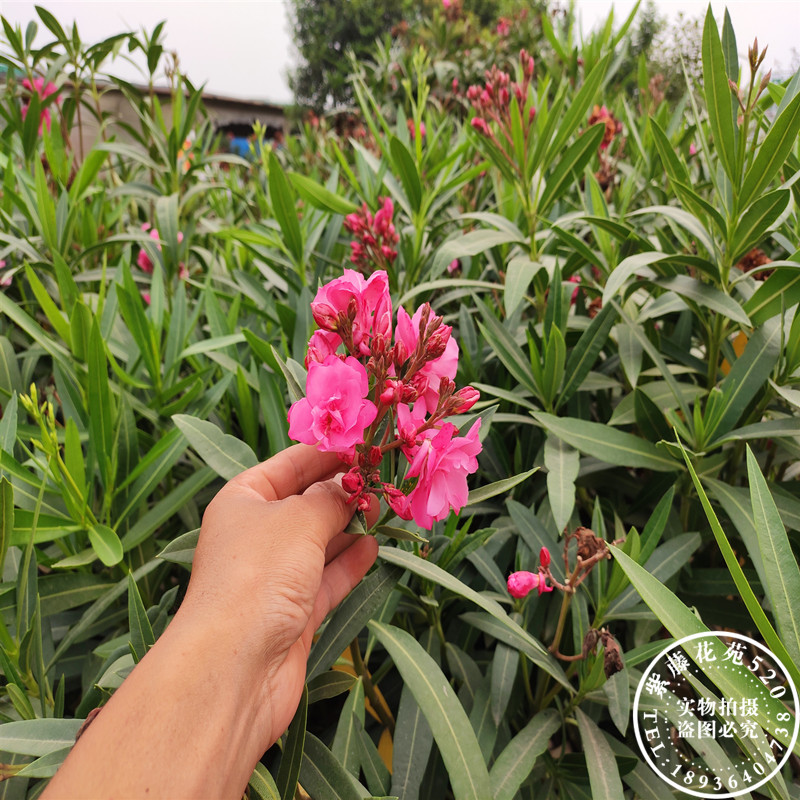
column 369, row 687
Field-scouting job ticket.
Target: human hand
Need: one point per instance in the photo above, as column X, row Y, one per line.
column 224, row 680
column 270, row 564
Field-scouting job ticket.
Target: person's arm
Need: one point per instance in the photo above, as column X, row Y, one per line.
column 224, row 680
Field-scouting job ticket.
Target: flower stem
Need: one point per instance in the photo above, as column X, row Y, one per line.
column 369, row 687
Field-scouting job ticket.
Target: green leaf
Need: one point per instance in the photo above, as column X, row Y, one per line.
column 142, row 637
column 772, row 152
column 617, row 690
column 603, row 772
column 585, row 353
column 519, row 274
column 680, row 622
column 101, row 413
column 748, row 374
column 292, row 756
column 38, row 737
column 407, row 169
column 719, row 100
column 346, row 748
column 483, row 493
column 607, row 444
column 350, row 617
column 6, row 518
column 106, row 544
column 563, row 465
column 780, row 290
column 376, row 774
column 181, row 550
column 317, row 195
column 444, row 713
column 781, row 574
column 411, row 746
column 323, row 776
column 46, row 766
column 505, row 663
column 570, row 166
column 262, row 784
column 296, row 390
column 225, row 454
column 705, row 296
column 470, row 244
column 283, row 206
column 329, row 684
column 755, row 222
column 515, row 763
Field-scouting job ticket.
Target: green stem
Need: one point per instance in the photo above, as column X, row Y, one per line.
column 369, row 688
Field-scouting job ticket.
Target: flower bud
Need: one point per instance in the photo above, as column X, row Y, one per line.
column 353, row 482
column 397, row 501
column 544, row 557
column 480, row 125
column 374, row 456
column 408, row 393
column 464, row 399
column 438, row 342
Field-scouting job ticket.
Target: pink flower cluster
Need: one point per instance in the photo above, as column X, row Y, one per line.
column 144, row 261
column 492, row 102
column 39, row 88
column 613, row 125
column 521, row 584
column 367, row 395
column 375, row 236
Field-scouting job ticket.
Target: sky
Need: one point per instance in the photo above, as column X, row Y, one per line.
column 244, row 49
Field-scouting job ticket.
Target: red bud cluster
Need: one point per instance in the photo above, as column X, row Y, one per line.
column 492, row 102
column 375, row 235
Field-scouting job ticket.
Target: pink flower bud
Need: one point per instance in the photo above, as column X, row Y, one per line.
column 438, row 342
column 353, row 481
column 520, row 584
column 400, row 354
column 374, row 456
column 544, row 557
column 389, row 395
column 397, row 501
column 455, row 84
column 408, row 393
column 464, row 399
column 504, row 96
column 480, row 125
column 473, row 93
column 454, row 266
column 531, row 114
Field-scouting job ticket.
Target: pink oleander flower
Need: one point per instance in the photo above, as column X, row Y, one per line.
column 521, row 584
column 504, row 27
column 427, row 379
column 368, row 301
column 335, row 412
column 144, row 261
column 454, row 266
column 373, row 247
column 321, row 345
column 38, row 87
column 441, row 464
column 574, row 279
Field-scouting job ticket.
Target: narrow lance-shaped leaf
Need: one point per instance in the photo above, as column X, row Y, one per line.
column 446, row 717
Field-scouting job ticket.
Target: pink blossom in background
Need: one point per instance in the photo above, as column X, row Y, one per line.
column 6, row 279
column 354, row 294
column 427, row 379
column 334, row 413
column 454, row 266
column 692, row 149
column 144, row 261
column 146, row 297
column 412, row 129
column 574, row 297
column 504, row 26
column 38, row 87
column 441, row 464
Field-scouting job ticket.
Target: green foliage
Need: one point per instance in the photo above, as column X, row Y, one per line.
column 628, row 313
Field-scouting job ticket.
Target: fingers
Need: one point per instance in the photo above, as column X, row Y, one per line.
column 341, row 576
column 289, row 472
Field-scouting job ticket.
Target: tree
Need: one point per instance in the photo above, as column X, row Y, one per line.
column 324, row 30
